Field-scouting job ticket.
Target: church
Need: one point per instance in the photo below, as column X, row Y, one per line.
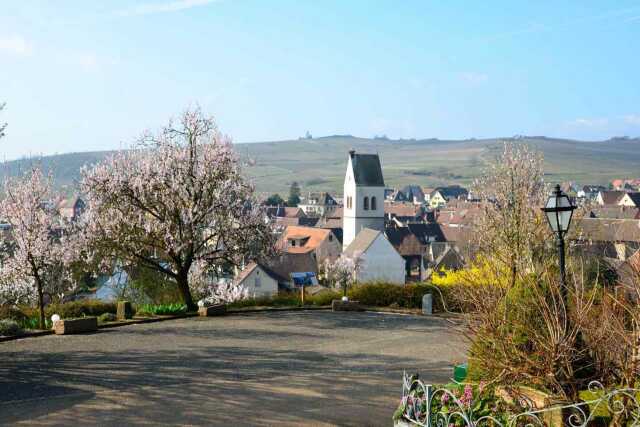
column 363, row 222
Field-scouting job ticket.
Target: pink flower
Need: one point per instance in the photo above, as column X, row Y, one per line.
column 467, row 396
column 445, row 398
column 481, row 386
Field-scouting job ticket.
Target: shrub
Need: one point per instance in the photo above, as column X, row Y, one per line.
column 323, row 297
column 161, row 309
column 12, row 313
column 387, row 294
column 11, row 328
column 107, row 317
column 74, row 309
column 34, row 323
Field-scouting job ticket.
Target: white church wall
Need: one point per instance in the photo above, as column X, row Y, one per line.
column 382, row 263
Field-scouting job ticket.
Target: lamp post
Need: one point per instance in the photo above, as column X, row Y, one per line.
column 559, row 211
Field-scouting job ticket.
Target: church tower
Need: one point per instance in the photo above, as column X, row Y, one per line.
column 363, row 196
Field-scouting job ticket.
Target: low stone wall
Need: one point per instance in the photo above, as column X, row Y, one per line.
column 212, row 310
column 75, row 326
column 339, row 305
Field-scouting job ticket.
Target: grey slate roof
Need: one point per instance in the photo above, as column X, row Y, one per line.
column 361, row 243
column 367, row 170
column 413, row 191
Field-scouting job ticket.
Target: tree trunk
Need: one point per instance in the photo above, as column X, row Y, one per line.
column 183, row 286
column 41, row 303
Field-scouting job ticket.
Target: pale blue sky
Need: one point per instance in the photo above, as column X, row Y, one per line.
column 91, row 75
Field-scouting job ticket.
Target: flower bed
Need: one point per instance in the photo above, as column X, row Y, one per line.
column 454, row 404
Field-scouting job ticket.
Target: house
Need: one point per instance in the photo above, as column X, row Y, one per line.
column 320, row 242
column 412, row 242
column 363, row 196
column 441, row 195
column 609, row 197
column 590, row 192
column 259, row 280
column 318, row 204
column 630, row 199
column 407, row 212
column 611, row 238
column 72, row 208
column 289, row 267
column 377, row 258
column 284, row 212
column 449, row 258
column 411, row 194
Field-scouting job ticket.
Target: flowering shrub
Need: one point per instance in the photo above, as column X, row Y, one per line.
column 449, row 405
column 224, row 293
column 341, row 273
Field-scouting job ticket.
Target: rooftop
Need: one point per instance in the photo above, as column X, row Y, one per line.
column 367, row 170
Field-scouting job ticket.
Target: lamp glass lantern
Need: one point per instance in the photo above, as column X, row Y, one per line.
column 559, row 211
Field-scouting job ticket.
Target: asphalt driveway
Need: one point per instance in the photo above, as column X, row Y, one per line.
column 281, row 369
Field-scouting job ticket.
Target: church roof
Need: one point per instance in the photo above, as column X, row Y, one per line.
column 366, row 169
column 361, row 243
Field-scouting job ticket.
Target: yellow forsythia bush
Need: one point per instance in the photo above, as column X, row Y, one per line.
column 454, row 284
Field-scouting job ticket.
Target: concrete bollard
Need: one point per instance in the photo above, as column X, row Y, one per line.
column 125, row 310
column 427, row 304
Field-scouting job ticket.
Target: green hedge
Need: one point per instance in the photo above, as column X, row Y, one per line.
column 73, row 309
column 387, row 294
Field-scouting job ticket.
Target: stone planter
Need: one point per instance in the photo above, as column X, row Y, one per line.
column 212, row 310
column 339, row 305
column 125, row 310
column 539, row 400
column 75, row 326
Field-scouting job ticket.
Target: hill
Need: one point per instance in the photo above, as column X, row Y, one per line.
column 319, row 163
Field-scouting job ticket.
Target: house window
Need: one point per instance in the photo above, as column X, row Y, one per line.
column 373, row 203
column 366, row 203
column 257, row 283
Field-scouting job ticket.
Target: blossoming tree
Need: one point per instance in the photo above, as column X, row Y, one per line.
column 36, row 250
column 176, row 200
column 342, row 272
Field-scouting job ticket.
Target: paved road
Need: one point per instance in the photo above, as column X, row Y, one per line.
column 288, row 368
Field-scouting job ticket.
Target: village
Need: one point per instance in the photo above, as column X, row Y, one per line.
column 413, row 231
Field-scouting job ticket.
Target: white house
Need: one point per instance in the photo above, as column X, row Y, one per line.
column 259, row 281
column 377, row 258
column 363, row 196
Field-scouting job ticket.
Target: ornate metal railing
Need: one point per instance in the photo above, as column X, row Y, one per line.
column 419, row 400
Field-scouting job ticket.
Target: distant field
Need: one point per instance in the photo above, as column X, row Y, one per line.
column 319, row 164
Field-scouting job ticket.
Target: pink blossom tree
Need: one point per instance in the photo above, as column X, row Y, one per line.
column 176, row 200
column 36, row 250
column 342, row 272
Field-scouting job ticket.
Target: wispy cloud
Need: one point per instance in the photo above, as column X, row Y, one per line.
column 16, row 45
column 633, row 19
column 163, row 7
column 594, row 122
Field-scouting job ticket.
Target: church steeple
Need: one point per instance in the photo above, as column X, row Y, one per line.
column 363, row 196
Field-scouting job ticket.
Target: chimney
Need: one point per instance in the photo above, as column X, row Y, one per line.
column 352, row 152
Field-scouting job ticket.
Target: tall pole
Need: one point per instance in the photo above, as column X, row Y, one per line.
column 563, row 279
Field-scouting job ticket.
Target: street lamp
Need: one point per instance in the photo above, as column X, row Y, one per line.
column 559, row 211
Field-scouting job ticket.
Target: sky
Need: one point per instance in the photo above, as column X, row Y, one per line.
column 88, row 75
